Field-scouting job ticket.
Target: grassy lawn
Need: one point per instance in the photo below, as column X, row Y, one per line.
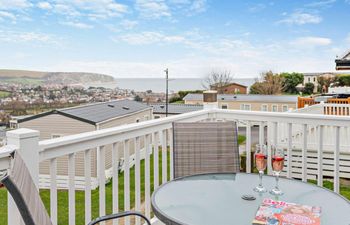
column 241, row 139
column 344, row 189
column 80, row 197
column 22, row 80
column 4, row 94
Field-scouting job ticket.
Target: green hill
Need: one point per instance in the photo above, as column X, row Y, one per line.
column 21, row 74
column 38, row 77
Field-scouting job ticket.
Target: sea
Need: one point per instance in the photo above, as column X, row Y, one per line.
column 158, row 85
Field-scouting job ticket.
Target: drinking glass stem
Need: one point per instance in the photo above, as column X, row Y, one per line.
column 277, row 178
column 260, row 177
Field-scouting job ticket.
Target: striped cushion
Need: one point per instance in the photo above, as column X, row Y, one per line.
column 205, row 147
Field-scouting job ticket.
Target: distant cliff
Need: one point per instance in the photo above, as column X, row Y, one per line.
column 74, row 78
column 36, row 77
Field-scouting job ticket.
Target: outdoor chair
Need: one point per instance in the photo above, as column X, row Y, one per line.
column 205, row 147
column 26, row 196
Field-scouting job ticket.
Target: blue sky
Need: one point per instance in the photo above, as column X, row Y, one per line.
column 139, row 38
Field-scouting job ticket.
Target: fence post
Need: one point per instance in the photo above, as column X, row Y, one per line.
column 27, row 142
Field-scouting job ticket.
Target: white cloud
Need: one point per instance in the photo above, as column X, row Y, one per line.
column 7, row 15
column 257, row 8
column 14, row 10
column 78, row 25
column 198, row 6
column 322, row 3
column 301, row 18
column 195, row 41
column 189, row 7
column 128, row 24
column 153, row 9
column 94, row 9
column 23, row 37
column 146, row 38
column 109, row 8
column 156, row 9
column 241, row 57
column 310, row 42
column 44, row 5
column 180, row 2
column 66, row 9
column 14, row 4
column 238, row 55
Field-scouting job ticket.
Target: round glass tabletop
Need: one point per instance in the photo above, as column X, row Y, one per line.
column 217, row 199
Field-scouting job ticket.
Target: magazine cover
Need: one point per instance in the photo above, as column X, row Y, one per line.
column 273, row 212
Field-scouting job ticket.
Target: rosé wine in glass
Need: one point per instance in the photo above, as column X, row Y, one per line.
column 260, row 163
column 277, row 163
column 277, row 166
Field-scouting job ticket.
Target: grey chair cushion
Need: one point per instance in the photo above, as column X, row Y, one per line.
column 20, row 185
column 205, row 147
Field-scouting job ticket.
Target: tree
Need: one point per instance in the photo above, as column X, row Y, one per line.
column 181, row 94
column 324, row 82
column 291, row 81
column 309, row 88
column 255, row 88
column 270, row 84
column 343, row 80
column 4, row 117
column 216, row 80
column 175, row 99
column 52, row 96
column 137, row 98
column 38, row 88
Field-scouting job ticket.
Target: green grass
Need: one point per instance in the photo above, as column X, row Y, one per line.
column 344, row 189
column 241, row 139
column 22, row 80
column 80, row 196
column 4, row 94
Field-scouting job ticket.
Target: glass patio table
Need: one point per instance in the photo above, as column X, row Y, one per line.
column 215, row 199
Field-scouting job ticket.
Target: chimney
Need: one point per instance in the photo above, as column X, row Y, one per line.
column 210, row 99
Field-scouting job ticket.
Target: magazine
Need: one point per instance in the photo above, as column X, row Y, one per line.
column 273, row 212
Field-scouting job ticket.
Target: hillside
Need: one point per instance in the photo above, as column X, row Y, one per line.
column 37, row 77
column 21, row 74
column 74, row 78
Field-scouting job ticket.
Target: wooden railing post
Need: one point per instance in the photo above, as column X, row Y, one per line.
column 27, row 142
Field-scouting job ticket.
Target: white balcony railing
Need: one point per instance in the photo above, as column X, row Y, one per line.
column 326, row 109
column 71, row 157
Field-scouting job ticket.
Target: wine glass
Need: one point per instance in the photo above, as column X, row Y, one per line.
column 260, row 163
column 277, row 167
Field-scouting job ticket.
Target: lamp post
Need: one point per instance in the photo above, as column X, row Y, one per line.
column 166, row 92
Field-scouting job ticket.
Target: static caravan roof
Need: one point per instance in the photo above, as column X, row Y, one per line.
column 247, row 98
column 98, row 112
column 344, row 62
column 322, row 73
column 160, row 108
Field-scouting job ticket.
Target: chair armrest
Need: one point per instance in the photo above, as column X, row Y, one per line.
column 119, row 215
